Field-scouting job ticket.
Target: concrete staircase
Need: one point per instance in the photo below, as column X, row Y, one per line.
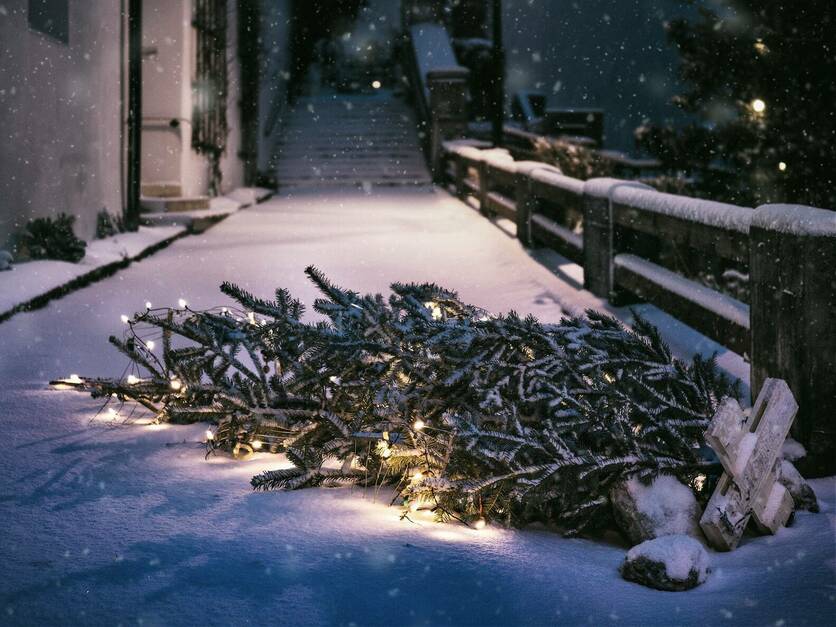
column 339, row 140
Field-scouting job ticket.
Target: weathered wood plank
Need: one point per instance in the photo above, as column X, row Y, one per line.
column 501, row 204
column 749, row 446
column 715, row 240
column 716, row 315
column 548, row 232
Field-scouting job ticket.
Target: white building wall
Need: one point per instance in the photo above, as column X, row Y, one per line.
column 60, row 136
column 169, row 42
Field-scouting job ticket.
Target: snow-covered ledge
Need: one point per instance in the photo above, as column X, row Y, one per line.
column 32, row 284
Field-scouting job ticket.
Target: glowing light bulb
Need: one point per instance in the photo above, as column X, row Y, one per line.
column 175, row 384
column 182, row 303
column 210, row 435
column 224, row 310
column 132, row 379
column 148, row 304
column 413, row 507
column 124, row 319
column 758, row 105
column 418, row 425
column 150, row 345
column 74, row 378
column 376, row 84
column 480, row 524
column 251, row 317
column 418, row 476
column 782, row 166
column 434, row 309
column 699, row 482
column 383, row 449
column 256, row 444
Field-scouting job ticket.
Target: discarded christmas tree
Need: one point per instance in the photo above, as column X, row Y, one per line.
column 470, row 415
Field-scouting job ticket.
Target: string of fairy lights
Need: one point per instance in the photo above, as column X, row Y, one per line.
column 144, row 339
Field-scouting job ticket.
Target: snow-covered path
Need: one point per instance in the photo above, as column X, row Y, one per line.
column 128, row 525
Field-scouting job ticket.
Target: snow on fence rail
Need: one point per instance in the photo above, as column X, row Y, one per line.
column 615, row 229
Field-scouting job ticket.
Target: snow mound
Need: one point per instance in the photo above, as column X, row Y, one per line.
column 793, row 450
column 667, row 563
column 664, row 507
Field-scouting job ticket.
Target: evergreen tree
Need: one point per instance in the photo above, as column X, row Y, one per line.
column 759, row 76
column 469, row 415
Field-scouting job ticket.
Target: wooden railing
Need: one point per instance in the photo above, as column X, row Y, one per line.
column 615, row 230
column 636, row 244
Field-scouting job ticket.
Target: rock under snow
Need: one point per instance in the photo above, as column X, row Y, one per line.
column 802, row 494
column 665, row 507
column 668, row 563
column 793, row 450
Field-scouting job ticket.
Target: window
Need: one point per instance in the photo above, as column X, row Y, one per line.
column 51, row 17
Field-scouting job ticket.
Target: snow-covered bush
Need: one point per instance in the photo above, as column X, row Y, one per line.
column 48, row 238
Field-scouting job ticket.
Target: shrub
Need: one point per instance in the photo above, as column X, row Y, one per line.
column 52, row 238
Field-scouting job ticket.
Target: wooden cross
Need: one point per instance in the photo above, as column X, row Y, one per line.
column 749, row 448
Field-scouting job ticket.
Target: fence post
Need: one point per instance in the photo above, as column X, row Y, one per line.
column 527, row 202
column 525, row 199
column 460, row 174
column 599, row 235
column 793, row 319
column 484, row 188
column 448, row 110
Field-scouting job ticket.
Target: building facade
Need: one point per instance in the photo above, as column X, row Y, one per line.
column 63, row 104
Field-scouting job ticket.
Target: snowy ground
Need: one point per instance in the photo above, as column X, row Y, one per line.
column 128, row 525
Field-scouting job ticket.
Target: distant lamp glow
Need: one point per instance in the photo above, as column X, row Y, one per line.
column 376, row 84
column 418, row 424
column 782, row 166
column 175, row 385
column 480, row 524
column 758, row 105
column 256, row 444
column 124, row 319
column 182, row 303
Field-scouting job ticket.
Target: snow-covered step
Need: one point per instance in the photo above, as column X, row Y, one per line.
column 350, row 141
column 173, row 204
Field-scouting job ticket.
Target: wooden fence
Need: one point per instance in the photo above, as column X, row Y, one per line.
column 636, row 244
